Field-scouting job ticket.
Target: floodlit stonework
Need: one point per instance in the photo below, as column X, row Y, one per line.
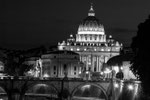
column 92, row 44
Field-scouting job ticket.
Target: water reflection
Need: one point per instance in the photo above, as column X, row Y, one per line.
column 89, row 92
column 41, row 92
column 3, row 94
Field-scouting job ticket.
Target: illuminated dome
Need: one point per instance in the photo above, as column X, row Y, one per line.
column 91, row 25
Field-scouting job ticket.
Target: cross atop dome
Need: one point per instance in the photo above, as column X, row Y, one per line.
column 91, row 11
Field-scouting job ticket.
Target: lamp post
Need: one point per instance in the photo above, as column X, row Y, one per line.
column 112, row 80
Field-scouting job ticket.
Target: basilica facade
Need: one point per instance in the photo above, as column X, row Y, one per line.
column 91, row 43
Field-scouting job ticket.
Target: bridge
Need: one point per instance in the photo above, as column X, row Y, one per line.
column 27, row 88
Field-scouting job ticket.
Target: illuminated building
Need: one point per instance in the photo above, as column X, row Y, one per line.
column 55, row 64
column 91, row 43
column 61, row 64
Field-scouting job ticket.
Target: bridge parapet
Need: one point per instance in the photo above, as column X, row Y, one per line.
column 21, row 85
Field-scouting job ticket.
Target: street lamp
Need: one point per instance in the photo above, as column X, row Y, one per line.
column 130, row 87
column 116, row 85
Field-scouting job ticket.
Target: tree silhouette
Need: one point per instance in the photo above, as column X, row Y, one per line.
column 141, row 48
column 15, row 60
column 15, row 65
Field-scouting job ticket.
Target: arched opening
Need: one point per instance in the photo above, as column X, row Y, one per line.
column 3, row 94
column 89, row 92
column 41, row 92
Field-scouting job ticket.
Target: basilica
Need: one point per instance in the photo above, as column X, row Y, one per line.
column 91, row 43
column 84, row 54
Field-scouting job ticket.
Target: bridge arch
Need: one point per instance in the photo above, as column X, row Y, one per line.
column 89, row 91
column 41, row 91
column 3, row 94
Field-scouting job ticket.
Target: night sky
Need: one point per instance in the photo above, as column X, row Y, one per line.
column 30, row 23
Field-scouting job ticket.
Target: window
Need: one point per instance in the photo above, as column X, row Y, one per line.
column 75, row 57
column 64, row 48
column 90, row 37
column 65, row 66
column 74, row 73
column 85, row 38
column 54, row 67
column 75, row 68
column 94, row 69
column 95, row 38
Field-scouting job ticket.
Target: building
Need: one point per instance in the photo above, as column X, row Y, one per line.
column 91, row 43
column 61, row 64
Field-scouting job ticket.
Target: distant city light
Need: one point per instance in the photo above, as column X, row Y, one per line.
column 86, row 86
column 130, row 87
column 101, row 73
column 79, row 72
column 102, row 49
column 121, row 68
column 87, row 72
column 116, row 68
column 116, row 85
column 46, row 75
column 107, row 71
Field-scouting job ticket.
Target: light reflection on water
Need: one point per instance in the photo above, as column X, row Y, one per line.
column 89, row 92
column 3, row 95
column 86, row 98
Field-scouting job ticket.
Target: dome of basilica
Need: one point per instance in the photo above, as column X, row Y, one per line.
column 91, row 25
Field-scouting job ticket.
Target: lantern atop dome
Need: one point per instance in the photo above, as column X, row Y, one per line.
column 91, row 11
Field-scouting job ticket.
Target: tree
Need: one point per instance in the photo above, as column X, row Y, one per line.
column 141, row 49
column 14, row 64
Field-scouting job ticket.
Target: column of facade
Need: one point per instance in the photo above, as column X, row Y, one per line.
column 97, row 69
column 95, row 62
column 104, row 38
column 59, row 69
column 77, row 37
column 70, row 71
column 93, row 65
column 88, row 38
column 83, row 38
column 86, row 62
column 93, row 38
column 99, row 63
column 83, row 60
column 98, row 37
